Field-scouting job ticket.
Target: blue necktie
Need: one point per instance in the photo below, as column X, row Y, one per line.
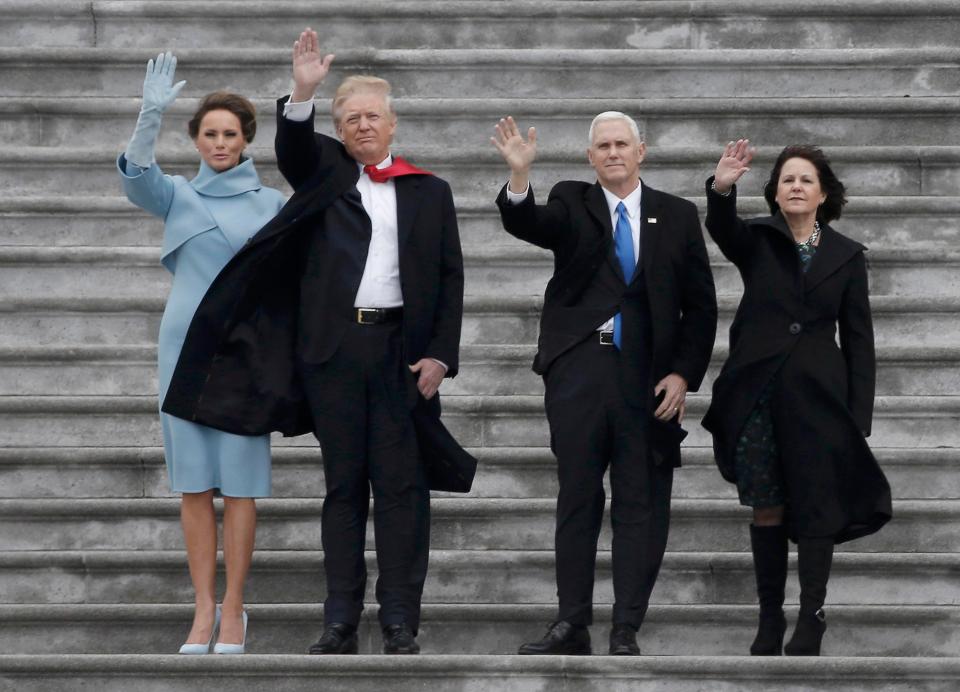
column 623, row 246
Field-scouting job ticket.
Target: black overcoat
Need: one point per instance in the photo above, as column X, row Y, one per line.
column 785, row 330
column 238, row 366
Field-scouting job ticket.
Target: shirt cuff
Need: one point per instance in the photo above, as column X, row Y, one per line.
column 440, row 362
column 517, row 197
column 298, row 112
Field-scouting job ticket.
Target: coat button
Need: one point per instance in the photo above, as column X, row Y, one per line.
column 795, row 328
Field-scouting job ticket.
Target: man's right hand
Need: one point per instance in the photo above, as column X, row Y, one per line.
column 518, row 154
column 309, row 68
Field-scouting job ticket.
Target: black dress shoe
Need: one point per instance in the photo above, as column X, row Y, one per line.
column 399, row 639
column 337, row 638
column 561, row 638
column 623, row 641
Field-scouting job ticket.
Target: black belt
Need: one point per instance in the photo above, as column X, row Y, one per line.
column 606, row 338
column 377, row 315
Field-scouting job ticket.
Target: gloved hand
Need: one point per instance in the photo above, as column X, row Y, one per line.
column 159, row 92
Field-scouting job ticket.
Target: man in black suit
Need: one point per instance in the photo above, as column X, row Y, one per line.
column 628, row 324
column 342, row 317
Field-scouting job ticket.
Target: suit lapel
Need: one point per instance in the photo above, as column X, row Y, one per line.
column 596, row 203
column 408, row 202
column 650, row 225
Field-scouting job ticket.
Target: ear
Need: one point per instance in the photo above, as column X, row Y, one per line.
column 590, row 155
column 642, row 151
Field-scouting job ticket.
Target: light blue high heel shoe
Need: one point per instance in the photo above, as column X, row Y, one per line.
column 220, row 648
column 200, row 649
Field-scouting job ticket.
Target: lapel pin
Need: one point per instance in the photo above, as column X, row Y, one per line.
column 651, row 219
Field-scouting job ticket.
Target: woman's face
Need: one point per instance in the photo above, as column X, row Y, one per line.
column 220, row 140
column 798, row 190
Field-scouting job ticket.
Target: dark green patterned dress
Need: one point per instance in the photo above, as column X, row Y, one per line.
column 757, row 459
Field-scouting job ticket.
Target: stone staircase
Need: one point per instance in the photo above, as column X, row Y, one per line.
column 94, row 591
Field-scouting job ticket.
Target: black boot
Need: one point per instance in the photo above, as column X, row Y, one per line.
column 814, row 558
column 769, row 544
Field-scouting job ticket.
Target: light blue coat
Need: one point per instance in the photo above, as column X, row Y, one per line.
column 207, row 220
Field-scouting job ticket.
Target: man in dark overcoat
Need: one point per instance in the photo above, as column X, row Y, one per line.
column 341, row 317
column 628, row 324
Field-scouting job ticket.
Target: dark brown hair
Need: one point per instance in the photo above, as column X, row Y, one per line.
column 224, row 100
column 834, row 189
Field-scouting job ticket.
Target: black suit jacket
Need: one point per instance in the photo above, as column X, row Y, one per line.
column 237, row 370
column 575, row 225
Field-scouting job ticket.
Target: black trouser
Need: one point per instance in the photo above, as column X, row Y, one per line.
column 368, row 440
column 591, row 428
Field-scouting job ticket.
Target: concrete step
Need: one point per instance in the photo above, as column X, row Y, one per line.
column 493, row 73
column 105, row 122
column 618, row 24
column 95, row 271
column 547, row 72
column 484, row 369
column 917, row 322
column 880, row 221
column 872, row 631
column 466, row 523
column 467, row 577
column 504, row 472
column 453, row 673
column 476, row 421
column 477, row 171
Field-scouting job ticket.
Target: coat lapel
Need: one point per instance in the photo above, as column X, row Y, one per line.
column 833, row 251
column 408, row 202
column 311, row 198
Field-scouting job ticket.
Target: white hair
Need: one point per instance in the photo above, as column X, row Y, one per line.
column 614, row 115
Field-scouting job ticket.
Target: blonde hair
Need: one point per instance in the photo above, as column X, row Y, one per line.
column 356, row 84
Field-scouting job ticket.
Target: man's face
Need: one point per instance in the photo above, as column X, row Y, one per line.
column 615, row 153
column 366, row 127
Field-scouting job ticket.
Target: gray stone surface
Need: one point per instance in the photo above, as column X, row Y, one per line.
column 91, row 557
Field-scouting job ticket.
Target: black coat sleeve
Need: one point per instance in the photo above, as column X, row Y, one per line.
column 698, row 306
column 445, row 342
column 298, row 149
column 856, row 342
column 734, row 237
column 545, row 226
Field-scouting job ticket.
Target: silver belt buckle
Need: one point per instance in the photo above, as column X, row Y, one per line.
column 364, row 311
column 606, row 338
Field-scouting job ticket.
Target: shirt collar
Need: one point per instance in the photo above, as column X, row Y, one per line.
column 631, row 201
column 383, row 164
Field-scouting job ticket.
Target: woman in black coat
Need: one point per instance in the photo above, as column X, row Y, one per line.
column 791, row 409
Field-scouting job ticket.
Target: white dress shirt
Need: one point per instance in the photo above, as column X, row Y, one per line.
column 632, row 205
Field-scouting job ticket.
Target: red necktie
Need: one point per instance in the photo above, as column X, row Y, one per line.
column 397, row 168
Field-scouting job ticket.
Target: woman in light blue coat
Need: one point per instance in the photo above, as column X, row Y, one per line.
column 207, row 220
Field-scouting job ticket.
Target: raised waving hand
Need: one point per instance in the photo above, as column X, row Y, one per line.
column 519, row 153
column 733, row 164
column 309, row 66
column 159, row 91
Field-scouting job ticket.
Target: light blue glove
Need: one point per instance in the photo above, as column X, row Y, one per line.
column 159, row 92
